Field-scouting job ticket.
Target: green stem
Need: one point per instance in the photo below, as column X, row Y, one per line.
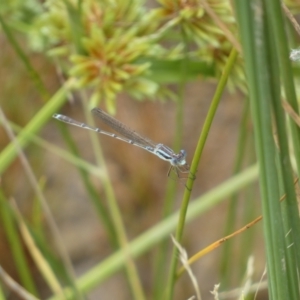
column 195, row 163
column 146, row 241
column 116, row 218
column 35, row 124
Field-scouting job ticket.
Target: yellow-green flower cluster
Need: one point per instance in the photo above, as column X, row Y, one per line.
column 195, row 20
column 111, row 44
column 109, row 64
column 116, row 45
column 198, row 18
column 106, row 41
column 218, row 56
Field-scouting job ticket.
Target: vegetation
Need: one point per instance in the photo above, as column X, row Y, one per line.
column 104, row 49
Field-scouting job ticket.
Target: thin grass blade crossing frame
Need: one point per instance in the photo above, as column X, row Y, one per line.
column 177, row 161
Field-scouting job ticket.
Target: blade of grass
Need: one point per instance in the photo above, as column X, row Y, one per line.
column 50, row 221
column 257, row 45
column 76, row 161
column 41, row 263
column 189, row 185
column 162, row 230
column 275, row 17
column 116, row 216
column 18, row 49
column 92, row 192
column 285, row 172
column 15, row 287
column 16, row 246
column 75, row 21
column 161, row 258
column 36, row 123
column 2, row 297
column 219, row 242
column 227, row 259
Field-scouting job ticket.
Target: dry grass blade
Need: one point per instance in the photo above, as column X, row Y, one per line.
column 222, row 25
column 288, row 108
column 219, row 242
column 184, row 259
column 40, row 261
column 15, row 287
column 291, row 18
column 215, row 291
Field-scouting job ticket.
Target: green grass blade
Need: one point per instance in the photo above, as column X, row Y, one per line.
column 16, row 246
column 35, row 124
column 257, row 34
column 36, row 78
column 162, row 231
column 194, row 166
